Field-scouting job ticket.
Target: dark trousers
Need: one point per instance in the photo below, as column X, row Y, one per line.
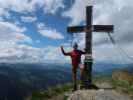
column 74, row 76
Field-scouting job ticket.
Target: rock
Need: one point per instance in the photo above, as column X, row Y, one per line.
column 100, row 94
column 104, row 85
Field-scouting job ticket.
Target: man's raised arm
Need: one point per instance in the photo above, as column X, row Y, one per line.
column 66, row 54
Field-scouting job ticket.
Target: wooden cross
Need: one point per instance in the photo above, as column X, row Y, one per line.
column 89, row 28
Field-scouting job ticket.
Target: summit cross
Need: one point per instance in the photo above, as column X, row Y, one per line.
column 88, row 29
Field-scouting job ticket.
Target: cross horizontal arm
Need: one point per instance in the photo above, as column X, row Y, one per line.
column 95, row 28
column 75, row 29
column 103, row 28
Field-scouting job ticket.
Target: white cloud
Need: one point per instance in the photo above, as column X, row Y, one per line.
column 52, row 6
column 54, row 54
column 13, row 53
column 49, row 32
column 119, row 13
column 19, row 53
column 15, row 5
column 41, row 26
column 76, row 12
column 28, row 18
column 12, row 33
column 24, row 6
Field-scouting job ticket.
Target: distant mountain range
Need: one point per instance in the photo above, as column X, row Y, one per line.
column 18, row 80
column 108, row 68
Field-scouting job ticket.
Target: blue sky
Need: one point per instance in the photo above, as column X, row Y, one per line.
column 31, row 21
column 33, row 30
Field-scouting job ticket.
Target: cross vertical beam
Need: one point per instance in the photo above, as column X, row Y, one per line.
column 88, row 45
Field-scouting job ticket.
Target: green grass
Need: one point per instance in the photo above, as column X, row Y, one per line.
column 51, row 92
column 123, row 80
column 124, row 85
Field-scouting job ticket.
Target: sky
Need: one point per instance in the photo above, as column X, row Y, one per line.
column 32, row 31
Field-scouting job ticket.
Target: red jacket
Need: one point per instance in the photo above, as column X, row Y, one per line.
column 75, row 56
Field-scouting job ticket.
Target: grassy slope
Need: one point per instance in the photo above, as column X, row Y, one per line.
column 123, row 81
column 53, row 92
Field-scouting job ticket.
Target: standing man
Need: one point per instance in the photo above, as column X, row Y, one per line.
column 75, row 55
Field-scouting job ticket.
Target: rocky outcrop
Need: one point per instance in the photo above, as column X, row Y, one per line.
column 100, row 94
